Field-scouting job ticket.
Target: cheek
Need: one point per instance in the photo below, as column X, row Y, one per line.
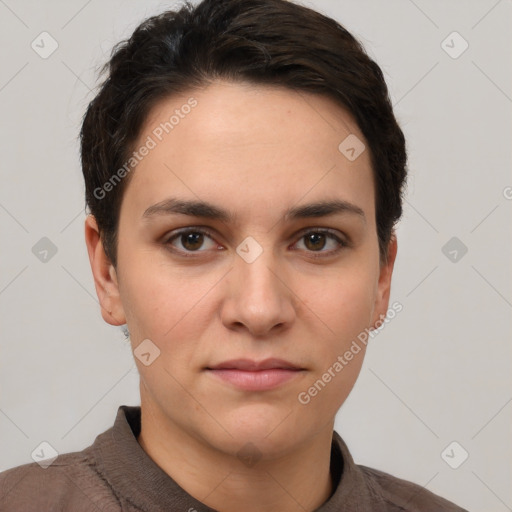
column 327, row 391
column 170, row 307
column 342, row 311
column 342, row 303
column 157, row 298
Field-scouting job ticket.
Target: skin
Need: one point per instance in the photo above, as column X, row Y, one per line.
column 213, row 307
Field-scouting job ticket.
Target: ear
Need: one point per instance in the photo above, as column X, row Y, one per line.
column 384, row 284
column 105, row 277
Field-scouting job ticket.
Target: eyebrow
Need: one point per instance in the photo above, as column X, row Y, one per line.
column 207, row 210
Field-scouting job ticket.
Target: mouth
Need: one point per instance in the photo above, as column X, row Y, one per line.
column 251, row 375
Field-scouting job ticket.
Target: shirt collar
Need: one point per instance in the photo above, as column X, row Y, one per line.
column 135, row 476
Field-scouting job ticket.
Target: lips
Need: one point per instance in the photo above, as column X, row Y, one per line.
column 249, row 375
column 250, row 365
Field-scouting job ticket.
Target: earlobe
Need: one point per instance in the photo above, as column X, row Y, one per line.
column 105, row 276
column 384, row 284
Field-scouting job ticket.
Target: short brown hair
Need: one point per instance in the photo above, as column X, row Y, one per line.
column 273, row 42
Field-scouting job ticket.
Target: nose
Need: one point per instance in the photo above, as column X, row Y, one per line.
column 258, row 297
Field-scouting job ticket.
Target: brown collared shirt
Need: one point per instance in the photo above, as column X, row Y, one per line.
column 115, row 474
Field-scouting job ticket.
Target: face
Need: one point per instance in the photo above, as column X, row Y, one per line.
column 222, row 257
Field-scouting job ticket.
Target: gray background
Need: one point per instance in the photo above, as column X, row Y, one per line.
column 439, row 372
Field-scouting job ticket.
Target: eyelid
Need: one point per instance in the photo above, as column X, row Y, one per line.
column 332, row 233
column 342, row 240
column 189, row 229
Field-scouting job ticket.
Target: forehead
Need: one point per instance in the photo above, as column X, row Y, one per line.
column 249, row 145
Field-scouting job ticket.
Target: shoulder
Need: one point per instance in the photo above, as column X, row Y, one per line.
column 402, row 495
column 72, row 482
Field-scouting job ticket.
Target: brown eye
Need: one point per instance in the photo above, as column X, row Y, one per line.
column 191, row 240
column 315, row 241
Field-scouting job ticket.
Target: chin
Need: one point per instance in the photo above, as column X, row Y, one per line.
column 269, row 428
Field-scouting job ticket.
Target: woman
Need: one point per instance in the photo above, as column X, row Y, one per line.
column 244, row 173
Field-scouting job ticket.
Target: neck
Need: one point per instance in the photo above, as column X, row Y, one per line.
column 297, row 481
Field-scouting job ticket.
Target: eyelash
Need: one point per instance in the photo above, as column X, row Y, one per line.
column 203, row 231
